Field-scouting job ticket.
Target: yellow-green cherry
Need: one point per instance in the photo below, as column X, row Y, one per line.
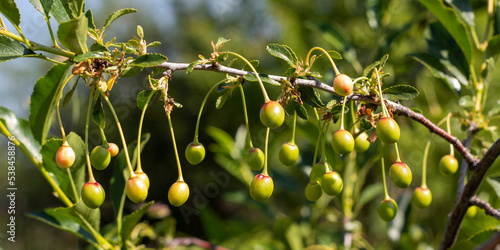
column 178, row 193
column 272, row 114
column 422, row 197
column 343, row 142
column 100, row 157
column 195, row 153
column 313, row 191
column 289, row 153
column 136, row 189
column 93, row 194
column 143, row 176
column 262, row 187
column 255, row 159
column 400, row 175
column 388, row 130
column 361, row 143
column 448, row 165
column 332, row 183
column 388, row 209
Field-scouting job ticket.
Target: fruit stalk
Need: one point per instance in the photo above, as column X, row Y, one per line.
column 337, row 72
column 179, row 169
column 386, row 194
column 139, row 132
column 264, row 172
column 87, row 122
column 424, row 165
column 248, row 140
column 57, row 108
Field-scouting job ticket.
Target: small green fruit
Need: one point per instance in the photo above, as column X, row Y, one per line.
column 289, row 153
column 262, row 187
column 342, row 84
column 388, row 130
column 388, row 209
column 136, row 190
column 178, row 193
column 318, row 170
column 113, row 149
column 255, row 159
column 272, row 114
column 422, row 197
column 93, row 194
column 343, row 142
column 195, row 153
column 65, row 156
column 100, row 157
column 332, row 183
column 313, row 191
column 471, row 212
column 400, row 175
column 448, row 165
column 361, row 144
column 143, row 176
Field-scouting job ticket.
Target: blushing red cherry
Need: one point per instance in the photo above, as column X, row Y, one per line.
column 262, row 187
column 113, row 149
column 388, row 130
column 93, row 194
column 178, row 193
column 342, row 84
column 422, row 197
column 65, row 156
column 272, row 114
column 195, row 153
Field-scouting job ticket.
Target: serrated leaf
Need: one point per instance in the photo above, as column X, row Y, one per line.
column 221, row 58
column 333, row 54
column 44, row 100
column 10, row 49
column 265, row 78
column 92, row 55
column 73, row 34
column 369, row 68
column 20, row 129
column 191, row 66
column 9, row 9
column 365, row 125
column 61, row 11
column 70, row 93
column 289, row 72
column 401, row 92
column 309, row 96
column 283, row 52
column 149, row 60
column 153, row 44
column 337, row 110
column 96, row 47
column 115, row 15
column 98, row 113
column 142, row 98
column 131, row 71
column 300, row 110
column 221, row 100
column 43, row 6
column 220, row 42
column 90, row 17
column 131, row 220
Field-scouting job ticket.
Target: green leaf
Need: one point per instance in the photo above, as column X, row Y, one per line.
column 143, row 96
column 93, row 216
column 221, row 100
column 131, row 220
column 149, row 60
column 283, row 52
column 493, row 48
column 43, row 6
column 140, row 32
column 77, row 171
column 310, row 97
column 73, row 34
column 44, row 100
column 450, row 20
column 131, row 71
column 438, row 70
column 92, row 55
column 90, row 17
column 495, row 184
column 61, row 12
column 70, row 93
column 401, row 92
column 300, row 109
column 115, row 15
column 191, row 66
column 265, row 78
column 416, row 110
column 99, row 47
column 10, row 49
column 98, row 113
column 333, row 54
column 369, row 193
column 20, row 129
column 153, row 44
column 220, row 42
column 9, row 9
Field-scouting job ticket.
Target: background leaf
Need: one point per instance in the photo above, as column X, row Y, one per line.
column 10, row 49
column 142, row 98
column 265, row 79
column 401, row 92
column 92, row 55
column 73, row 34
column 98, row 113
column 283, row 52
column 149, row 60
column 9, row 9
column 61, row 12
column 43, row 6
column 131, row 220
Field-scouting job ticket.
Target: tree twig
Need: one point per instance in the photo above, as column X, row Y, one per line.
column 476, row 201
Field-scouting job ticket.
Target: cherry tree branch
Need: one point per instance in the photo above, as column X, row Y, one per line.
column 476, row 201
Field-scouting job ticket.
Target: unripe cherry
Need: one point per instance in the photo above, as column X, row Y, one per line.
column 422, row 197
column 343, row 142
column 255, row 159
column 361, row 144
column 471, row 212
column 93, row 194
column 195, row 153
column 113, row 149
column 342, row 84
column 65, row 156
column 318, row 170
column 388, row 130
column 400, row 175
column 448, row 165
column 262, row 187
column 289, row 153
column 272, row 114
column 136, row 189
column 313, row 191
column 100, row 157
column 388, row 209
column 143, row 176
column 332, row 183
column 178, row 193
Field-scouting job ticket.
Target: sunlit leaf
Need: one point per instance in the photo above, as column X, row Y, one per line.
column 149, row 60
column 9, row 9
column 92, row 55
column 283, row 52
column 115, row 15
column 131, row 220
column 401, row 92
column 143, row 96
column 265, row 78
column 10, row 49
column 73, row 34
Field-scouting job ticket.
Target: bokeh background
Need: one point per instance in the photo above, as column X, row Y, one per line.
column 220, row 209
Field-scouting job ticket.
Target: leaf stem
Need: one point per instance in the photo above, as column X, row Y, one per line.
column 179, row 168
column 195, row 140
column 337, row 72
column 57, row 108
column 385, row 113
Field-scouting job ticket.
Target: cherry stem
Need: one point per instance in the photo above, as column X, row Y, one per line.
column 103, row 138
column 293, row 126
column 323, row 142
column 87, row 123
column 337, row 72
column 386, row 194
column 73, row 186
column 141, row 121
column 179, row 169
column 264, row 92
column 342, row 115
column 320, row 127
column 424, row 164
column 396, row 149
column 120, row 130
column 195, row 140
column 385, row 113
column 448, row 127
column 264, row 172
column 248, row 142
column 57, row 108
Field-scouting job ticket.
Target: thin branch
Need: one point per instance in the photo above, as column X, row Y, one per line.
column 476, row 201
column 471, row 131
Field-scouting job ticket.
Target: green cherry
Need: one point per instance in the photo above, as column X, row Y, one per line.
column 255, row 159
column 332, row 183
column 342, row 84
column 100, row 157
column 262, row 187
column 400, row 175
column 471, row 212
column 178, row 193
column 343, row 142
column 143, row 176
column 388, row 209
column 448, row 165
column 136, row 190
column 313, row 191
column 361, row 144
column 289, row 153
column 113, row 149
column 195, row 153
column 388, row 130
column 272, row 114
column 318, row 170
column 422, row 197
column 65, row 156
column 93, row 194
